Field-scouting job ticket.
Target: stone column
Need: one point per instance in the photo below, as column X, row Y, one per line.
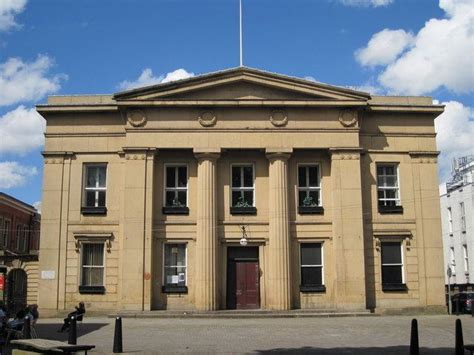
column 279, row 282
column 206, row 234
column 348, row 233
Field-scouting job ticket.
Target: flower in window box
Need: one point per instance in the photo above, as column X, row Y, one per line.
column 242, row 203
column 177, row 203
column 309, row 202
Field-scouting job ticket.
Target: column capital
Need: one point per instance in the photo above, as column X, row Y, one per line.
column 278, row 153
column 207, row 153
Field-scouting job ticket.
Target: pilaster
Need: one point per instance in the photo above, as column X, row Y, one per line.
column 52, row 264
column 348, row 233
column 206, row 234
column 279, row 236
column 136, row 228
column 429, row 242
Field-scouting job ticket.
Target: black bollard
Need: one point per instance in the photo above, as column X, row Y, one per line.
column 118, row 344
column 72, row 340
column 459, row 339
column 26, row 328
column 414, row 345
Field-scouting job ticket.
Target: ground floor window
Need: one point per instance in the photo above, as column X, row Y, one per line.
column 175, row 268
column 92, row 268
column 392, row 267
column 311, row 261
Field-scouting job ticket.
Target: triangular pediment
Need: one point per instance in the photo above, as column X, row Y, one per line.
column 242, row 84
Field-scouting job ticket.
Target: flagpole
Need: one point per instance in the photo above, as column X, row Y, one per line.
column 241, row 48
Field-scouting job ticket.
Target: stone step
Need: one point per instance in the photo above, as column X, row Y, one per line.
column 314, row 313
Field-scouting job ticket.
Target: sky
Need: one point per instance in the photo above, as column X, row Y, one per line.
column 384, row 47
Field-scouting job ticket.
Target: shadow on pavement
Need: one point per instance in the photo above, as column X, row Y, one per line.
column 395, row 350
column 50, row 330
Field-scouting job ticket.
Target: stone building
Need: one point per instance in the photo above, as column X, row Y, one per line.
column 457, row 216
column 19, row 245
column 240, row 189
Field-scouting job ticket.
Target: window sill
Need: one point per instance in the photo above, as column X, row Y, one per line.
column 92, row 290
column 174, row 289
column 310, row 210
column 175, row 210
column 312, row 288
column 243, row 210
column 390, row 209
column 394, row 287
column 94, row 210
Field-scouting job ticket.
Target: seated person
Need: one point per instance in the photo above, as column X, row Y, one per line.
column 78, row 313
column 32, row 313
column 17, row 322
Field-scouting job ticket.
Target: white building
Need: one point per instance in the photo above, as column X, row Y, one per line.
column 457, row 216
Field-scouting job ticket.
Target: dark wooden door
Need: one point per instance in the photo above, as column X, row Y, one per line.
column 247, row 291
column 16, row 290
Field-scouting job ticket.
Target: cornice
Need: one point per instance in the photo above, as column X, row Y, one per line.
column 243, row 103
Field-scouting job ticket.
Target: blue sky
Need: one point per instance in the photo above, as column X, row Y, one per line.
column 403, row 47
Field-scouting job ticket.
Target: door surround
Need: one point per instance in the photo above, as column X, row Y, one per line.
column 243, row 262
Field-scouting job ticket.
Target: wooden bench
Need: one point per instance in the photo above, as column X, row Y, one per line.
column 49, row 346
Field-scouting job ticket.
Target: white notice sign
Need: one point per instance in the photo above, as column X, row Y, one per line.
column 48, row 274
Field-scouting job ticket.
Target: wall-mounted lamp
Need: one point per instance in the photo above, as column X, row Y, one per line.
column 243, row 240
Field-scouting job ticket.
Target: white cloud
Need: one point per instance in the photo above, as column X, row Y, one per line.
column 13, row 174
column 455, row 132
column 384, row 47
column 366, row 3
column 21, row 131
column 37, row 205
column 146, row 78
column 8, row 10
column 23, row 81
column 439, row 56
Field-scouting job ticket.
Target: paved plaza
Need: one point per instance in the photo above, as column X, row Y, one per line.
column 336, row 335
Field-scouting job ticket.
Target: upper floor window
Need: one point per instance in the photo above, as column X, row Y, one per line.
column 392, row 267
column 388, row 190
column 309, row 189
column 92, row 268
column 463, row 216
column 5, row 233
column 466, row 258
column 175, row 268
column 450, row 221
column 312, row 276
column 176, row 189
column 452, row 260
column 21, row 238
column 95, row 189
column 2, row 241
column 243, row 191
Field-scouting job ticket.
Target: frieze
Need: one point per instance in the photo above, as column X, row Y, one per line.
column 424, row 157
column 53, row 160
column 346, row 156
column 135, row 156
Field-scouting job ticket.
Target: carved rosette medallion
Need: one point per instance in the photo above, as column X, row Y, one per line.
column 137, row 118
column 207, row 118
column 348, row 118
column 279, row 118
